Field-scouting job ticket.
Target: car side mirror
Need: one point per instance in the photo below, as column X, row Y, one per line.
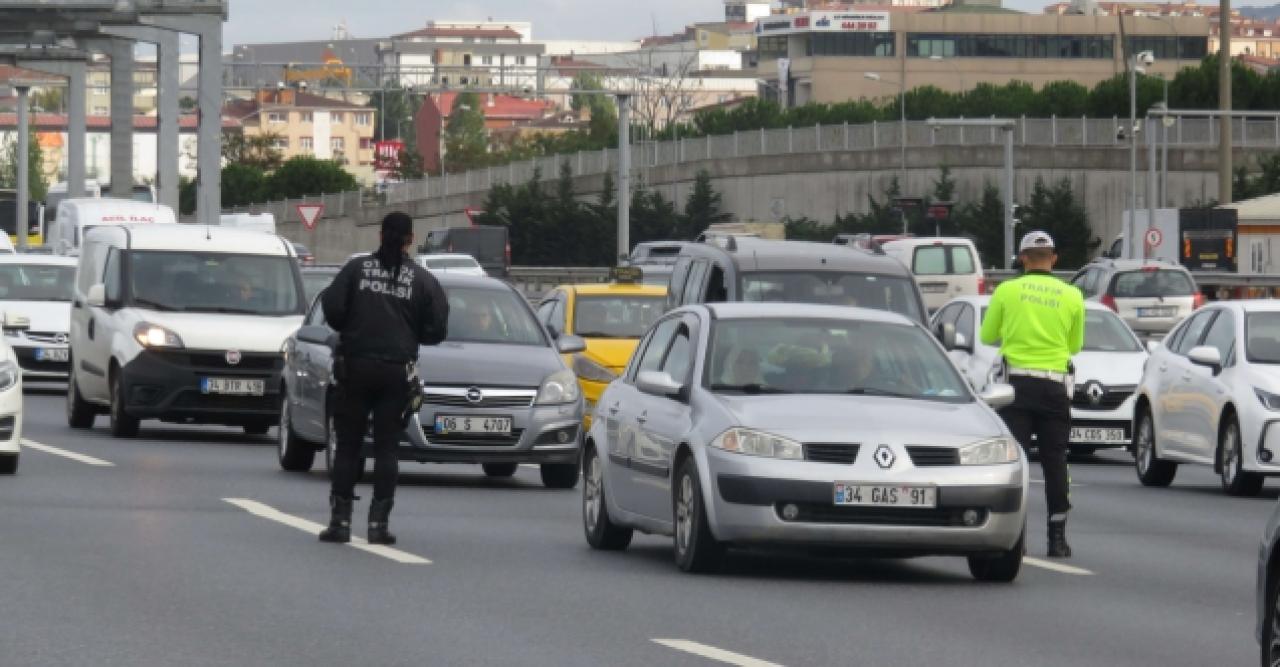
column 15, row 322
column 317, row 335
column 1208, row 356
column 97, row 296
column 962, row 343
column 1152, row 346
column 998, row 395
column 658, row 383
column 946, row 334
column 570, row 344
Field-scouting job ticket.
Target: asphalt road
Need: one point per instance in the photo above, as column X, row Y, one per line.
column 137, row 557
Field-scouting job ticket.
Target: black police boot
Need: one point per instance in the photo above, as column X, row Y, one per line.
column 1058, row 547
column 379, row 515
column 339, row 530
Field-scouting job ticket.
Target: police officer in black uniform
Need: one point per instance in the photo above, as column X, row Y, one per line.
column 383, row 306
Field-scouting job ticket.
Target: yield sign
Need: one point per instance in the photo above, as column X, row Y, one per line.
column 310, row 213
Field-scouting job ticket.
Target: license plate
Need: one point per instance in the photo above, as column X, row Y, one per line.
column 1161, row 311
column 52, row 354
column 488, row 425
column 235, row 386
column 933, row 288
column 883, row 495
column 1107, row 436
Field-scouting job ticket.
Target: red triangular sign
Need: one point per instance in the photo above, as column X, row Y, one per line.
column 310, row 213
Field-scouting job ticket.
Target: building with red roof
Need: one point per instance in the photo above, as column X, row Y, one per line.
column 501, row 112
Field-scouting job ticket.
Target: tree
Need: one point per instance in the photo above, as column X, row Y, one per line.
column 186, row 196
column 394, row 109
column 242, row 184
column 1054, row 209
column 409, row 164
column 305, row 175
column 49, row 100
column 702, row 209
column 983, row 221
column 37, row 182
column 187, row 103
column 466, row 140
column 253, row 150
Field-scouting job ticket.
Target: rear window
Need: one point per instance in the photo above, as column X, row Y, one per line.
column 1160, row 282
column 1104, row 332
column 889, row 293
column 1262, row 337
column 451, row 263
column 939, row 260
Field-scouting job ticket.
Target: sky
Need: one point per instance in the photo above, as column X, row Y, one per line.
column 298, row 20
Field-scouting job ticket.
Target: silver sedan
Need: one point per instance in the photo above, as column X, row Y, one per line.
column 743, row 424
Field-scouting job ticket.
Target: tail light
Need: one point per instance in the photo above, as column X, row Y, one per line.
column 1198, row 300
column 1110, row 302
column 508, row 253
column 982, row 285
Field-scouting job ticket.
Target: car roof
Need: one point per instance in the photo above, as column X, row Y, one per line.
column 605, row 289
column 926, row 240
column 448, row 280
column 983, row 300
column 1132, row 264
column 753, row 254
column 40, row 259
column 752, row 310
column 446, row 255
column 1250, row 305
column 200, row 238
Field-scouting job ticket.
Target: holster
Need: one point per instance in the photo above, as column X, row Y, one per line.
column 414, row 394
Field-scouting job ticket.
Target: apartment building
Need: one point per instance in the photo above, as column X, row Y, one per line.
column 306, row 124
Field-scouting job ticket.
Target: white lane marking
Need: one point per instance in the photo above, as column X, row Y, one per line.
column 272, row 514
column 87, row 460
column 1056, row 567
column 713, row 653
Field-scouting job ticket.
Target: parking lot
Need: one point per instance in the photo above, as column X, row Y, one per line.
column 192, row 547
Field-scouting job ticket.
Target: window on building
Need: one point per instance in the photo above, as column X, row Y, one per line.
column 337, row 144
column 102, row 90
column 101, row 111
column 466, row 60
column 277, row 117
column 1171, row 48
column 772, row 47
column 486, row 60
column 849, row 44
column 307, row 144
column 521, row 60
column 336, row 117
column 364, row 119
column 307, row 117
column 366, row 143
column 954, row 45
column 280, row 143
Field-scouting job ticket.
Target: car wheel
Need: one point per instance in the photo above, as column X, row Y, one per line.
column 80, row 414
column 122, row 425
column 696, row 549
column 559, row 475
column 499, row 469
column 1271, row 631
column 1002, row 567
column 294, row 454
column 1235, row 480
column 602, row 533
column 1151, row 470
column 8, row 464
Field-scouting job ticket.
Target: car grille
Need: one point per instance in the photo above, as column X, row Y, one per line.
column 50, row 337
column 878, row 516
column 830, row 452
column 473, row 440
column 249, row 361
column 27, row 360
column 450, row 401
column 923, row 456
column 1112, row 398
column 196, row 401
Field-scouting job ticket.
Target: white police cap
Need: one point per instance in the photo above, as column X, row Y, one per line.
column 1036, row 239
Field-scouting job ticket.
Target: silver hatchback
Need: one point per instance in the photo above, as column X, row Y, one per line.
column 742, row 424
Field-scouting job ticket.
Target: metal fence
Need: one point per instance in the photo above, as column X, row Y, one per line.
column 1181, row 132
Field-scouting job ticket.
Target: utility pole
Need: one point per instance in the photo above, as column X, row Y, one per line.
column 23, row 222
column 624, row 176
column 1224, row 102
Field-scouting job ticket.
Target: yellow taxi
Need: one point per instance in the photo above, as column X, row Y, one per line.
column 611, row 317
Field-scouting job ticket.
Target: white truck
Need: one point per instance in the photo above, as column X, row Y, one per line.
column 1197, row 238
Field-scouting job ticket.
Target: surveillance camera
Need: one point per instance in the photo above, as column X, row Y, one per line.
column 279, row 85
column 1146, row 58
column 1120, row 133
column 303, row 85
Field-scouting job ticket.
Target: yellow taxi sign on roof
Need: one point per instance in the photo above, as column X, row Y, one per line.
column 626, row 274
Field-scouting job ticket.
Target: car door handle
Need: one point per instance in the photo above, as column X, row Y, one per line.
column 644, row 417
column 613, row 409
column 92, row 323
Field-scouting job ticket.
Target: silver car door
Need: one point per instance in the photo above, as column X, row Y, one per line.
column 1206, row 391
column 626, row 408
column 664, row 421
column 1177, row 426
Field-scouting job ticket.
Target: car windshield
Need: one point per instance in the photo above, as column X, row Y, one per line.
column 1104, row 332
column 315, row 282
column 813, row 356
column 214, row 282
column 485, row 315
column 616, row 316
column 36, row 282
column 1152, row 283
column 891, row 293
column 451, row 263
column 1262, row 337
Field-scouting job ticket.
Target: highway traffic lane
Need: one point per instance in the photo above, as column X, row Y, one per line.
column 556, row 602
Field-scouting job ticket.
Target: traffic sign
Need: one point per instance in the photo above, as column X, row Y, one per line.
column 1154, row 237
column 310, row 213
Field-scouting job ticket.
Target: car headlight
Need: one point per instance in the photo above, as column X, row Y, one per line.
column 591, row 371
column 560, row 387
column 986, row 452
column 1269, row 400
column 757, row 443
column 154, row 335
column 9, row 374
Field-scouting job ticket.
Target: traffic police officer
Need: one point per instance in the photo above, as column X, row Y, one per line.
column 383, row 306
column 1039, row 322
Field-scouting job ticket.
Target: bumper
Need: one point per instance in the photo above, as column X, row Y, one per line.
column 1096, row 423
column 747, row 507
column 591, row 393
column 166, row 386
column 39, row 369
column 542, row 434
column 11, row 419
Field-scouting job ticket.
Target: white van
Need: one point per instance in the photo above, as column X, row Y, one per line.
column 181, row 323
column 944, row 268
column 250, row 222
column 58, row 193
column 78, row 216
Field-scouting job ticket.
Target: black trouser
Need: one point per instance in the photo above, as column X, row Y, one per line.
column 369, row 387
column 1041, row 406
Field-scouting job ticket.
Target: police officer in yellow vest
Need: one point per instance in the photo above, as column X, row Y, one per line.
column 1039, row 322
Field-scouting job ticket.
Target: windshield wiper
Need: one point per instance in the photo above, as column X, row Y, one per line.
column 752, row 388
column 871, row 391
column 227, row 310
column 597, row 334
column 154, row 305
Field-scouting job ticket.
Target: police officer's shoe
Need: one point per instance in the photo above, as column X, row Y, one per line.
column 1058, row 547
column 379, row 516
column 339, row 530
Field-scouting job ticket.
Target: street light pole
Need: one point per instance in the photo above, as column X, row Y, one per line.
column 624, row 176
column 1132, row 228
column 1006, row 125
column 902, row 136
column 23, row 222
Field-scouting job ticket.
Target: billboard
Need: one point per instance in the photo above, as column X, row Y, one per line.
column 835, row 21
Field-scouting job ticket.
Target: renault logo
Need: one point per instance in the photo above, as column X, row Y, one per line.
column 474, row 395
column 61, row 339
column 234, row 357
column 884, row 457
column 1095, row 392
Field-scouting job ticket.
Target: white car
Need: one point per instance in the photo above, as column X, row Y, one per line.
column 451, row 263
column 944, row 268
column 1211, row 396
column 38, row 288
column 1107, row 369
column 10, row 411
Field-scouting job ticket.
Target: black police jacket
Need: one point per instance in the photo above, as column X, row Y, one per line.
column 384, row 319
